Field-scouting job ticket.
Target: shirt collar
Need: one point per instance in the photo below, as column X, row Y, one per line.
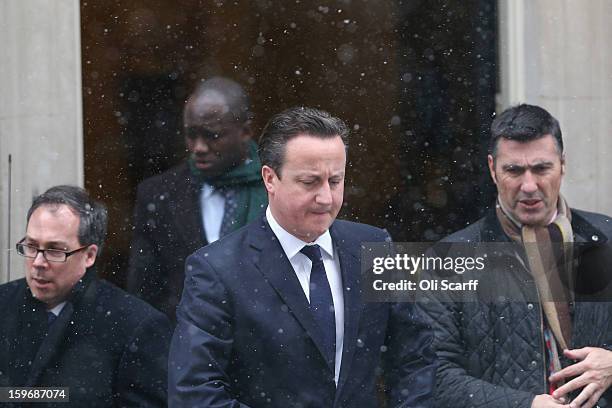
column 207, row 190
column 554, row 217
column 58, row 309
column 292, row 244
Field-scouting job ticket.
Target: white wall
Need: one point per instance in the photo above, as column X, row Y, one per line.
column 557, row 54
column 40, row 110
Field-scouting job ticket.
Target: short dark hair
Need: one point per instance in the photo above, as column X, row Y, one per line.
column 232, row 92
column 92, row 214
column 292, row 122
column 524, row 123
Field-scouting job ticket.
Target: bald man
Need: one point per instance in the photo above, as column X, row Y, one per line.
column 214, row 192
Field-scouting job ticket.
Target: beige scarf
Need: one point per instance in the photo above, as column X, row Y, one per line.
column 549, row 254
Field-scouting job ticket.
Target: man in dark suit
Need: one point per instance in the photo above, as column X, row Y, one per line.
column 216, row 191
column 62, row 327
column 273, row 316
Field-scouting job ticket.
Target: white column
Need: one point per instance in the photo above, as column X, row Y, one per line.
column 41, row 127
column 566, row 59
column 511, row 53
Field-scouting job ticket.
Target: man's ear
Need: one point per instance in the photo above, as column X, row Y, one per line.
column 269, row 177
column 491, row 163
column 90, row 255
column 562, row 164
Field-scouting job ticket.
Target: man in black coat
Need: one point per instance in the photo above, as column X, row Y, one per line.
column 63, row 327
column 216, row 191
column 526, row 337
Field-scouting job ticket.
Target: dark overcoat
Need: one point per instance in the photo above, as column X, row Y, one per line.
column 490, row 343
column 108, row 347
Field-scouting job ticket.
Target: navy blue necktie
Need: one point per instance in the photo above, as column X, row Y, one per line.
column 321, row 301
column 50, row 318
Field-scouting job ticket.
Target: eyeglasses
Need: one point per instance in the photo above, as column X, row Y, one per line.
column 51, row 255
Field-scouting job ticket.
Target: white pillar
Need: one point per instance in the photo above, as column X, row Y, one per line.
column 41, row 127
column 511, row 30
column 561, row 51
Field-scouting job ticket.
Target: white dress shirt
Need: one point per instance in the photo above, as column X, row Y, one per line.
column 212, row 204
column 302, row 266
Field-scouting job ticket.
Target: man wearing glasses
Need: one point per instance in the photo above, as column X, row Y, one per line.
column 62, row 327
column 216, row 191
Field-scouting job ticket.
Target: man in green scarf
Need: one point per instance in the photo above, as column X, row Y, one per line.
column 217, row 190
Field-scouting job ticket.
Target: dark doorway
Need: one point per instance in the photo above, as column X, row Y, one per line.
column 447, row 60
column 414, row 79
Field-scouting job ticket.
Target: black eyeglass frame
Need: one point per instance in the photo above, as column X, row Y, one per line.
column 19, row 247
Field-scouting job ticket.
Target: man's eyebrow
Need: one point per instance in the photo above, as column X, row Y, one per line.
column 57, row 244
column 543, row 164
column 50, row 244
column 316, row 174
column 514, row 166
column 201, row 129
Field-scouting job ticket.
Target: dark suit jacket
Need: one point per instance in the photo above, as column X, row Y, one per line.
column 108, row 347
column 167, row 228
column 245, row 335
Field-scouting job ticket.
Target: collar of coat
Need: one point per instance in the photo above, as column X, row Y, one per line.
column 584, row 231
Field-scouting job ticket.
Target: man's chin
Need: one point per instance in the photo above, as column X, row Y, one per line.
column 533, row 220
column 41, row 295
column 317, row 230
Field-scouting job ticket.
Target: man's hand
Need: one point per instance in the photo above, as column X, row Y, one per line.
column 593, row 375
column 547, row 401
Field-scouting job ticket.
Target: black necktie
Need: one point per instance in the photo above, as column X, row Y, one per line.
column 321, row 301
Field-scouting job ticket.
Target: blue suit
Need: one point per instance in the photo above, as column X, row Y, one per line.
column 246, row 338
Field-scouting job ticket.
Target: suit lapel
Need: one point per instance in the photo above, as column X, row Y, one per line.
column 273, row 264
column 348, row 253
column 50, row 345
column 78, row 308
column 186, row 213
column 29, row 324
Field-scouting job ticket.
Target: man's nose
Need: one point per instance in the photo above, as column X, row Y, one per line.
column 324, row 195
column 39, row 259
column 200, row 145
column 529, row 184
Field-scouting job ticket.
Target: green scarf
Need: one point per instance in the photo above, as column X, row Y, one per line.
column 246, row 179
